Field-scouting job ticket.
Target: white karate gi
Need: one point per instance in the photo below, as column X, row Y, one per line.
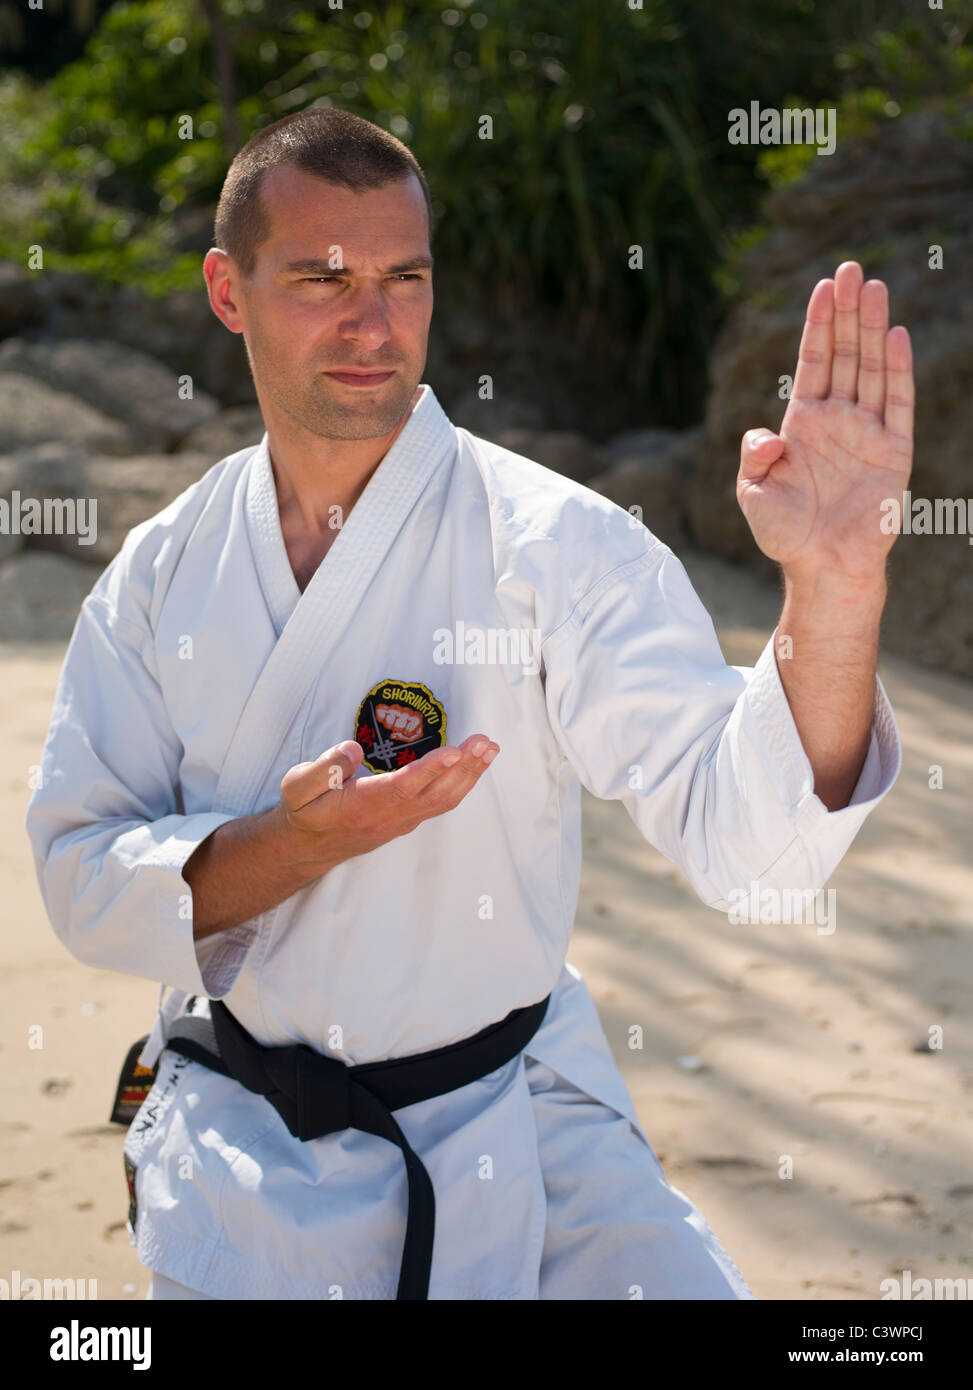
column 198, row 674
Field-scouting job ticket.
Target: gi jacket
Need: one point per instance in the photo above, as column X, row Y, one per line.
column 198, row 674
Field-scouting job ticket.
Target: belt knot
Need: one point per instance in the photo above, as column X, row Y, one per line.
column 315, row 1091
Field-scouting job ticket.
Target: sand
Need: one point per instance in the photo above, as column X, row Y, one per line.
column 765, row 1049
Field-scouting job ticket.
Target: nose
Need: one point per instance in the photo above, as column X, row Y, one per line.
column 366, row 321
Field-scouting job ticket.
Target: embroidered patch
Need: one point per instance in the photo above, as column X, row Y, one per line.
column 397, row 722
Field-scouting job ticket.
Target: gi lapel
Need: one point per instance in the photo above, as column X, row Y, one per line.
column 328, row 603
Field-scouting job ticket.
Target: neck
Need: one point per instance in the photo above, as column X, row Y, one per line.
column 315, row 475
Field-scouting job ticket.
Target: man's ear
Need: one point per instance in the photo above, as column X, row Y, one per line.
column 222, row 283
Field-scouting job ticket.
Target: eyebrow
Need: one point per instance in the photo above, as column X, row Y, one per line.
column 321, row 267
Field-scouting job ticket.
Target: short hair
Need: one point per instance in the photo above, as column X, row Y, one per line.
column 332, row 144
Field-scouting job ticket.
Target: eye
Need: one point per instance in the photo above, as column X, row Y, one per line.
column 330, row 279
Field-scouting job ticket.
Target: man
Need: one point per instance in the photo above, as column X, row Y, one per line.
column 248, row 792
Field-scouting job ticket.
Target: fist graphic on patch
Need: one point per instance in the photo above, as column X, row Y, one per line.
column 397, row 722
column 403, row 723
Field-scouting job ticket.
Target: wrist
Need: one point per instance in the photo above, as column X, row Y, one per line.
column 836, row 600
column 298, row 851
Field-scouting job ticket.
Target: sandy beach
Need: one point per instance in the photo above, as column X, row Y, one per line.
column 760, row 1044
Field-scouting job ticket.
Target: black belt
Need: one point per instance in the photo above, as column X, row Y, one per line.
column 317, row 1095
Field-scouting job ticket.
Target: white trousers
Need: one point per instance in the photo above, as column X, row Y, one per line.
column 659, row 1246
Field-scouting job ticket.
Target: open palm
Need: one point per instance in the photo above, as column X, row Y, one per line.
column 812, row 494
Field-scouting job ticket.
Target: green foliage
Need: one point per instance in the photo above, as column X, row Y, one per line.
column 594, row 143
column 727, row 276
column 608, row 130
column 917, row 65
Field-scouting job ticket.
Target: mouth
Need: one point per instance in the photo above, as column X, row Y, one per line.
column 361, row 379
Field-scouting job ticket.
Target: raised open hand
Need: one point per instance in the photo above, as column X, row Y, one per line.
column 812, row 494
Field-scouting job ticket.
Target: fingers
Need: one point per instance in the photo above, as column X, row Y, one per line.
column 307, row 781
column 449, row 789
column 845, row 346
column 812, row 380
column 873, row 328
column 443, row 777
column 900, row 389
column 387, row 805
column 409, row 782
column 844, row 368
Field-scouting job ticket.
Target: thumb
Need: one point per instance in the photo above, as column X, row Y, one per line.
column 759, row 450
column 305, row 782
column 352, row 751
column 350, row 754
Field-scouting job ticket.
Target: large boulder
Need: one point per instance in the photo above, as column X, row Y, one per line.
column 182, row 330
column 178, row 329
column 563, row 451
column 226, row 433
column 32, row 413
column 124, row 492
column 883, row 200
column 40, row 595
column 650, row 470
column 21, row 306
column 491, row 419
column 127, row 385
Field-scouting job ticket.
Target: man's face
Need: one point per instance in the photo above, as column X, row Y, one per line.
column 344, row 281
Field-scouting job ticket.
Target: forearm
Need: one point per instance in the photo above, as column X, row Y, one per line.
column 325, row 816
column 828, row 673
column 245, row 867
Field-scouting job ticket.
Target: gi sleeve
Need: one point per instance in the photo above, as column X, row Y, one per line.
column 705, row 757
column 105, row 821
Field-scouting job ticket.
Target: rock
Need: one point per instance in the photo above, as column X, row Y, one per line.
column 40, row 595
column 124, row 383
column 650, row 490
column 866, row 201
column 32, row 413
column 489, row 419
column 564, row 451
column 518, row 438
column 20, row 304
column 181, row 330
column 125, row 492
column 227, row 432
column 10, row 545
column 52, row 469
column 734, row 595
column 132, row 490
column 651, row 471
column 178, row 330
column 642, row 443
column 552, row 367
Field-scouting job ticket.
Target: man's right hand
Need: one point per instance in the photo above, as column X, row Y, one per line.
column 325, row 816
column 330, row 815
